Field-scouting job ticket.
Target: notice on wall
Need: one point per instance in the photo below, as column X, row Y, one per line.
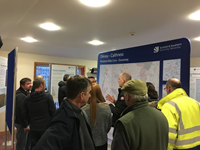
column 3, row 70
column 195, row 83
column 56, row 75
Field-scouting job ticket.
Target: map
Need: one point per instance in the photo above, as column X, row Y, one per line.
column 171, row 69
column 109, row 75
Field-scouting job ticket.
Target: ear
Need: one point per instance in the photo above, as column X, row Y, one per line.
column 41, row 85
column 124, row 81
column 128, row 97
column 81, row 95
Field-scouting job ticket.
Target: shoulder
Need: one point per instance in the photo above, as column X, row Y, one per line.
column 104, row 107
column 47, row 95
column 21, row 95
column 86, row 107
column 129, row 117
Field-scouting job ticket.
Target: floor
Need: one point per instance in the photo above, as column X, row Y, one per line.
column 2, row 140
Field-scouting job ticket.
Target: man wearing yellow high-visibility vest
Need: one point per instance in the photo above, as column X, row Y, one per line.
column 183, row 115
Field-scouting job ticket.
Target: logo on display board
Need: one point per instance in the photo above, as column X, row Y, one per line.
column 156, row 49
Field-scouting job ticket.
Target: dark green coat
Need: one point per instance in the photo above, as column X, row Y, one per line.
column 141, row 128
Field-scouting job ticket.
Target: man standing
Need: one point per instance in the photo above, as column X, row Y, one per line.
column 21, row 93
column 68, row 128
column 119, row 104
column 62, row 89
column 183, row 115
column 38, row 109
column 140, row 127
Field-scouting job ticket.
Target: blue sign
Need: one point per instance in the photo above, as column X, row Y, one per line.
column 154, row 63
column 10, row 88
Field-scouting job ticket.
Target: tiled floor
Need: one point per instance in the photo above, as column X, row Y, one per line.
column 2, row 140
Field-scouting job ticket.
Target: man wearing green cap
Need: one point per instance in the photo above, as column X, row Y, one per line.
column 140, row 127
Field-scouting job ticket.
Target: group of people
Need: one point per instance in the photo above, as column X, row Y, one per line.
column 33, row 110
column 140, row 120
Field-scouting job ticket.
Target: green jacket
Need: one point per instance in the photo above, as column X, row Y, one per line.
column 141, row 128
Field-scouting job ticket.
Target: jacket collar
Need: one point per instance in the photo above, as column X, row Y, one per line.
column 135, row 106
column 174, row 94
column 21, row 90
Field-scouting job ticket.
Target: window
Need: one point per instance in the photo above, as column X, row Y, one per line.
column 43, row 69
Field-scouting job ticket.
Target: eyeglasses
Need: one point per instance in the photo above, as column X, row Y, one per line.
column 165, row 88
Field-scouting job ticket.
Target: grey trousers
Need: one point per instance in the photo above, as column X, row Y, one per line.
column 21, row 137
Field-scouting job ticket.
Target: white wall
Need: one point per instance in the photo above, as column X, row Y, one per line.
column 25, row 68
column 195, row 62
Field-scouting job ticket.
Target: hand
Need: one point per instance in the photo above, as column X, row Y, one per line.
column 26, row 129
column 110, row 98
column 106, row 103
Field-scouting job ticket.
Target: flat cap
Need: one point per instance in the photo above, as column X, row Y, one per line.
column 135, row 87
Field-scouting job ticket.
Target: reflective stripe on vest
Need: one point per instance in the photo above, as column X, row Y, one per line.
column 182, row 130
column 179, row 112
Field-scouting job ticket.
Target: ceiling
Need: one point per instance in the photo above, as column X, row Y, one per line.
column 152, row 21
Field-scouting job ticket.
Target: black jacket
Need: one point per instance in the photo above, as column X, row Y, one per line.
column 39, row 107
column 120, row 105
column 61, row 91
column 63, row 132
column 21, row 95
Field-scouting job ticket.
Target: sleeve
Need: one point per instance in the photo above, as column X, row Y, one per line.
column 20, row 100
column 56, row 137
column 120, row 139
column 52, row 107
column 115, row 110
column 25, row 116
column 61, row 95
column 172, row 118
column 109, row 120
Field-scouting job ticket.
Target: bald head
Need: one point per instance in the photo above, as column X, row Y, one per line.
column 126, row 76
column 173, row 84
column 123, row 78
column 39, row 76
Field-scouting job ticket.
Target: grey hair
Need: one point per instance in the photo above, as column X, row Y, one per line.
column 138, row 98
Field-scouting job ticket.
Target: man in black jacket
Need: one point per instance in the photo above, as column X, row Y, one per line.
column 39, row 107
column 21, row 93
column 68, row 129
column 118, row 105
column 62, row 89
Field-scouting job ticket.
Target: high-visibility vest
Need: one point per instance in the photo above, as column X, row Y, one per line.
column 183, row 115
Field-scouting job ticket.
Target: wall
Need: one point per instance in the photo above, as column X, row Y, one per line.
column 195, row 62
column 25, row 68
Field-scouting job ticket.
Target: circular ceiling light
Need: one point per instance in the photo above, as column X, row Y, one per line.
column 95, row 3
column 95, row 42
column 195, row 16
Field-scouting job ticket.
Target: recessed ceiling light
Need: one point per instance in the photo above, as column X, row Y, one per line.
column 95, row 3
column 198, row 38
column 195, row 16
column 95, row 42
column 29, row 39
column 49, row 26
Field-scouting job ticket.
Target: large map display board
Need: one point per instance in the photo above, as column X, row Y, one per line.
column 195, row 83
column 154, row 63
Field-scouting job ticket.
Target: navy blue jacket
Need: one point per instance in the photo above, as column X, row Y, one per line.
column 63, row 132
column 120, row 105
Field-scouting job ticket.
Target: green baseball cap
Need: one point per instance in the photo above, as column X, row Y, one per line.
column 135, row 87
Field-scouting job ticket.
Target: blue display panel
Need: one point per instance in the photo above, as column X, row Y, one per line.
column 10, row 89
column 154, row 63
